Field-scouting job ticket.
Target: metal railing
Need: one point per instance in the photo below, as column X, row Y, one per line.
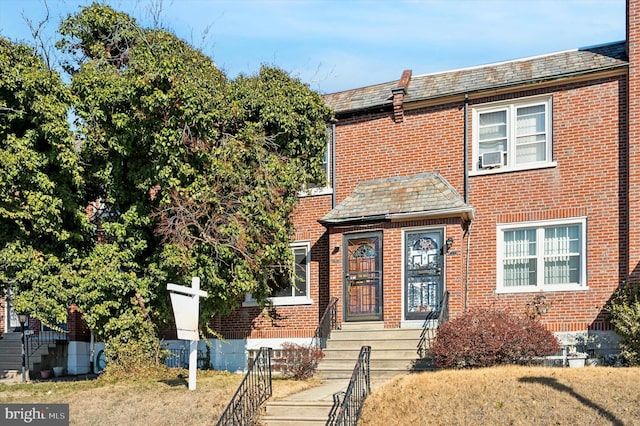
column 179, row 358
column 328, row 322
column 252, row 392
column 44, row 337
column 432, row 322
column 348, row 405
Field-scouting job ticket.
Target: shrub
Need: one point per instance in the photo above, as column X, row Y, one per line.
column 484, row 338
column 298, row 362
column 625, row 317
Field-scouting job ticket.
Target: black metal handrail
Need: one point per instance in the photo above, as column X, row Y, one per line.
column 44, row 337
column 328, row 322
column 253, row 391
column 437, row 316
column 347, row 405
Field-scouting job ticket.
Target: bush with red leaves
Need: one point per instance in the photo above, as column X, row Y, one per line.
column 483, row 338
column 298, row 362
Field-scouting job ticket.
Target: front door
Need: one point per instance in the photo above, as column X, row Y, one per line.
column 424, row 284
column 363, row 278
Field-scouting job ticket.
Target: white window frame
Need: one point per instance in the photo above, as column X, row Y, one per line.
column 291, row 300
column 511, row 107
column 539, row 227
column 327, row 161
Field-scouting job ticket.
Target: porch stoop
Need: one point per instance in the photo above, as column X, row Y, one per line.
column 11, row 357
column 393, row 352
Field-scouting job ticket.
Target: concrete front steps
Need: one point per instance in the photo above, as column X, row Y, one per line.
column 393, row 351
column 290, row 413
column 11, row 356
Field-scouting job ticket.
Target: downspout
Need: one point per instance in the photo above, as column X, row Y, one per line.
column 333, row 166
column 466, row 198
column 466, row 148
column 466, row 272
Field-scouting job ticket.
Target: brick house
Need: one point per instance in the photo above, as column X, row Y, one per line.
column 494, row 184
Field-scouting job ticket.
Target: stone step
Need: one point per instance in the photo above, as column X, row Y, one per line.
column 376, row 344
column 389, row 353
column 344, row 373
column 377, row 334
column 374, row 364
column 298, row 409
column 362, row 325
column 10, row 374
column 287, row 421
column 11, row 336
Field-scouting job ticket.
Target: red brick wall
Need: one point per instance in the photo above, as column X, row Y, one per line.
column 589, row 135
column 76, row 327
column 588, row 181
column 633, row 49
column 296, row 320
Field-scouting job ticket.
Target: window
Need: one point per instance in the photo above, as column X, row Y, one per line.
column 546, row 256
column 323, row 185
column 297, row 294
column 300, row 262
column 512, row 136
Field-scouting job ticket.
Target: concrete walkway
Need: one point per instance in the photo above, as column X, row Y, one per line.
column 325, row 391
column 308, row 407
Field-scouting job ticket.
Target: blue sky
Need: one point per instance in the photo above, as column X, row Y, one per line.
column 335, row 45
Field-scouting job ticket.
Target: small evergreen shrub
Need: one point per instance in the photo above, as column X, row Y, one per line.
column 484, row 338
column 625, row 318
column 298, row 362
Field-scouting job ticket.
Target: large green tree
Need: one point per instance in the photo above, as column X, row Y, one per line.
column 199, row 174
column 172, row 171
column 43, row 227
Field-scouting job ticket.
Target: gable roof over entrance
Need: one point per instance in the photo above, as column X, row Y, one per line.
column 426, row 195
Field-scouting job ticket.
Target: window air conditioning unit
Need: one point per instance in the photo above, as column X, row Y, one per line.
column 492, row 159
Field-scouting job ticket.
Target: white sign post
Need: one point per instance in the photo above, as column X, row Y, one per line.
column 186, row 309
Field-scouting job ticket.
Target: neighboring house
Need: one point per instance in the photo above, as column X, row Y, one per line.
column 496, row 184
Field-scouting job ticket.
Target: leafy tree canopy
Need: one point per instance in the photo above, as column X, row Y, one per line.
column 172, row 171
column 42, row 223
column 199, row 173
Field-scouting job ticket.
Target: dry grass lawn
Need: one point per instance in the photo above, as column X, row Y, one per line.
column 491, row 396
column 162, row 399
column 509, row 396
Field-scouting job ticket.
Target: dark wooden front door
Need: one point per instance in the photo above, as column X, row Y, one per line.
column 363, row 277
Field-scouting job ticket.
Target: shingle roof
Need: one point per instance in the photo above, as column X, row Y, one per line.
column 468, row 80
column 422, row 195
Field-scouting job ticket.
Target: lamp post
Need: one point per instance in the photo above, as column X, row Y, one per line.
column 23, row 318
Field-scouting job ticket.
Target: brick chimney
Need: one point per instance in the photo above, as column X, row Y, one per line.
column 399, row 93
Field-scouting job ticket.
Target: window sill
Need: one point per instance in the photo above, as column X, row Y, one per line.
column 544, row 289
column 281, row 301
column 499, row 170
column 313, row 192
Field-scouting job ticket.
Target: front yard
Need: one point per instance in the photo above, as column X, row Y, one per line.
column 509, row 395
column 491, row 396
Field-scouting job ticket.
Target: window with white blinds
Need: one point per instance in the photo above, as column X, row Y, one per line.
column 544, row 256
